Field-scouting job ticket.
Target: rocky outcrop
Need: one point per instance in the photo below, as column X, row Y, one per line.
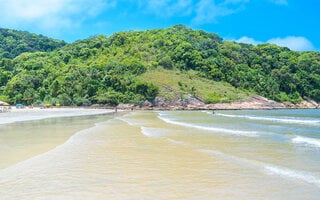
column 308, row 104
column 193, row 103
column 253, row 102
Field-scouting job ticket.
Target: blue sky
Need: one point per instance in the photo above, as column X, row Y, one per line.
column 291, row 23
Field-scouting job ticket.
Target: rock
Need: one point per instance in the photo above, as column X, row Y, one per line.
column 289, row 104
column 97, row 106
column 160, row 101
column 125, row 106
column 147, row 104
column 308, row 104
column 252, row 102
column 194, row 101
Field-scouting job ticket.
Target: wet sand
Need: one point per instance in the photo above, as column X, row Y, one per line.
column 171, row 155
column 25, row 133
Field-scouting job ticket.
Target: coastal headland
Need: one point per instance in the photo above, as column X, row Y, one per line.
column 254, row 102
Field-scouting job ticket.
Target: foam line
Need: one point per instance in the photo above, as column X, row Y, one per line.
column 272, row 119
column 268, row 168
column 220, row 130
column 306, row 141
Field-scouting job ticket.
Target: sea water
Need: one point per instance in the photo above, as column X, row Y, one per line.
column 272, row 154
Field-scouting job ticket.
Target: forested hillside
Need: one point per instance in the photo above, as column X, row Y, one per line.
column 120, row 69
column 13, row 43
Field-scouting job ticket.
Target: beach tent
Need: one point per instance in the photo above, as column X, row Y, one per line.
column 4, row 106
column 48, row 105
column 2, row 103
column 19, row 105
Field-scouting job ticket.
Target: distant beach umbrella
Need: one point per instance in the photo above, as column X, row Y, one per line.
column 19, row 105
column 2, row 103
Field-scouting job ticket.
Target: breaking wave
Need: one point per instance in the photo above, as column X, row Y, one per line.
column 273, row 119
column 219, row 130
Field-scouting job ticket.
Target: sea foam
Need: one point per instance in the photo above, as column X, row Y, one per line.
column 306, row 141
column 293, row 174
column 267, row 168
column 152, row 132
column 176, row 141
column 273, row 119
column 219, row 130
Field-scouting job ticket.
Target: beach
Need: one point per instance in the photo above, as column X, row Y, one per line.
column 248, row 154
column 37, row 113
column 27, row 132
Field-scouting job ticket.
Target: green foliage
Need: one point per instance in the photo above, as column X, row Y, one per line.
column 13, row 43
column 131, row 67
column 176, row 84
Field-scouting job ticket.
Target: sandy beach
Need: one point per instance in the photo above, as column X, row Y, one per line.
column 28, row 114
column 248, row 154
column 28, row 132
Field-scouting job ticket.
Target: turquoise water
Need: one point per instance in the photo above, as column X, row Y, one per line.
column 269, row 154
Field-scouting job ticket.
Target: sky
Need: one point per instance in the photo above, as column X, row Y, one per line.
column 291, row 23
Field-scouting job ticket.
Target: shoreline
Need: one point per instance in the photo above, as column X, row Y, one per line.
column 252, row 103
column 36, row 113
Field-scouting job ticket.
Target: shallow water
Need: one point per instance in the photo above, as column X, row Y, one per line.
column 173, row 155
column 20, row 140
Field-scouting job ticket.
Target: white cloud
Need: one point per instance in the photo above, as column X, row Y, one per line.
column 293, row 42
column 168, row 8
column 204, row 11
column 208, row 11
column 280, row 2
column 49, row 15
column 248, row 40
column 235, row 1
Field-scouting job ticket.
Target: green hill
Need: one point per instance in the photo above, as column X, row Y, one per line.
column 174, row 85
column 13, row 43
column 174, row 63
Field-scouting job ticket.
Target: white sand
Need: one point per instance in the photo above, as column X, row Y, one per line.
column 27, row 114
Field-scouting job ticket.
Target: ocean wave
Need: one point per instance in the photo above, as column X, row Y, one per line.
column 292, row 174
column 232, row 158
column 130, row 122
column 219, row 130
column 267, row 168
column 272, row 119
column 176, row 141
column 306, row 141
column 152, row 132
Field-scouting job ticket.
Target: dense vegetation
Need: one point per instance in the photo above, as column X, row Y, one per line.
column 120, row 68
column 178, row 85
column 13, row 43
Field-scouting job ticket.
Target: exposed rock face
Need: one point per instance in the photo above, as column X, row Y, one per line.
column 193, row 103
column 125, row 106
column 308, row 104
column 147, row 104
column 253, row 102
column 161, row 102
